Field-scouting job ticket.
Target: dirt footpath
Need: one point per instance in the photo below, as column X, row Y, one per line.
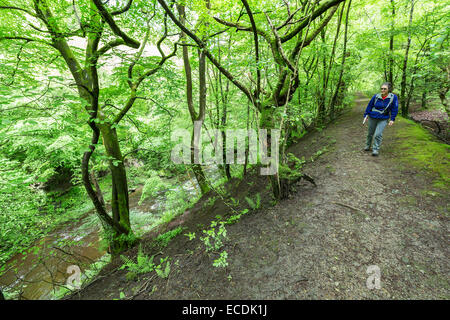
column 366, row 212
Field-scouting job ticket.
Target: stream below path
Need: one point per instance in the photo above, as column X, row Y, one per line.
column 40, row 273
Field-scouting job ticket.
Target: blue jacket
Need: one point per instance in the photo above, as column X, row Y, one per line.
column 377, row 105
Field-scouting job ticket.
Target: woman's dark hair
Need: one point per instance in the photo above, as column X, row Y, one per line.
column 389, row 85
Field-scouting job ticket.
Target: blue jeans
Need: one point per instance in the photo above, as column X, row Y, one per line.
column 376, row 128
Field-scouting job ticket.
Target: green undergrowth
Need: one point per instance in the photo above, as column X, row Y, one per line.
column 419, row 148
column 38, row 214
column 85, row 277
column 163, row 239
column 145, row 264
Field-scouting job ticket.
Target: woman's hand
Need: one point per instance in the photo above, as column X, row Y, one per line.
column 391, row 123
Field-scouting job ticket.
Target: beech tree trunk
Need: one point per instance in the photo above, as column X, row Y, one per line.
column 390, row 76
column 84, row 72
column 403, row 102
column 288, row 80
column 445, row 87
column 195, row 152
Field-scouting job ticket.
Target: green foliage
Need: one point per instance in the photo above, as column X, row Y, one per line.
column 145, row 264
column 254, row 204
column 298, row 163
column 167, row 216
column 176, row 203
column 163, row 239
column 297, row 135
column 235, row 218
column 163, row 272
column 221, row 262
column 235, row 202
column 26, row 214
column 117, row 243
column 190, row 235
column 214, row 237
column 287, row 173
column 44, row 129
column 210, row 202
column 152, row 186
column 87, row 275
column 318, row 153
column 177, row 200
column 285, row 170
column 419, row 148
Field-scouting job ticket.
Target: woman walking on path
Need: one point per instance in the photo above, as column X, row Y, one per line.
column 381, row 107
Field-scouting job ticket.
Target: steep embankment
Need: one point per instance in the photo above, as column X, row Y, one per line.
column 389, row 211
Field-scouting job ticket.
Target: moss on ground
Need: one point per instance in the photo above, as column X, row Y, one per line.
column 422, row 150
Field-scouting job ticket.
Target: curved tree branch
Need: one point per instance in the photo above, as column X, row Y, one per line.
column 18, row 9
column 109, row 46
column 87, row 182
column 27, row 39
column 278, row 46
column 202, row 45
column 255, row 38
column 241, row 27
column 288, row 20
column 114, row 27
column 124, row 9
column 323, row 6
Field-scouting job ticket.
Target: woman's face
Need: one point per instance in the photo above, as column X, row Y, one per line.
column 384, row 90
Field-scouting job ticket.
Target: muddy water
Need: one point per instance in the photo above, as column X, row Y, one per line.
column 37, row 274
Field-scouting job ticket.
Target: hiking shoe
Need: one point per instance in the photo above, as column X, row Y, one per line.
column 367, row 149
column 375, row 153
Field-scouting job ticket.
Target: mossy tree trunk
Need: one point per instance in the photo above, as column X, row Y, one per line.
column 444, row 88
column 196, row 117
column 283, row 92
column 119, row 200
column 288, row 81
column 86, row 79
